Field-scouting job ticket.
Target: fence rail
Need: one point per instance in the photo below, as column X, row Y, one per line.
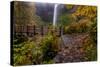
column 35, row 30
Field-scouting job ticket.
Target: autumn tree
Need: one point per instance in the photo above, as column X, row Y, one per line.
column 25, row 13
column 89, row 12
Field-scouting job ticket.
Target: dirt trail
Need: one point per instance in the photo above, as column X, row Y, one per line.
column 71, row 49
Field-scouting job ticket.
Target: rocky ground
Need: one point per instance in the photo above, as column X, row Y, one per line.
column 71, row 49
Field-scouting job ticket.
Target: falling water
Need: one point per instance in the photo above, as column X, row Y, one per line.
column 55, row 14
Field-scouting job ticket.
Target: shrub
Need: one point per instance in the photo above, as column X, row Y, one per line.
column 48, row 62
column 49, row 47
column 90, row 45
column 23, row 53
column 93, row 30
column 26, row 53
column 78, row 27
column 20, row 40
column 66, row 19
column 90, row 49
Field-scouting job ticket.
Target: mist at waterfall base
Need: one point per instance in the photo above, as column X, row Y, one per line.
column 49, row 12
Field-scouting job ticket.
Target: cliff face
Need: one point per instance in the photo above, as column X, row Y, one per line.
column 46, row 11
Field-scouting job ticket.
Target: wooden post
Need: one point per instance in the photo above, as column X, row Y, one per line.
column 27, row 31
column 63, row 31
column 14, row 31
column 30, row 31
column 60, row 31
column 20, row 31
column 42, row 31
column 34, row 32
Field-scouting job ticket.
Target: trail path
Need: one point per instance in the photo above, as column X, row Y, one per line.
column 71, row 49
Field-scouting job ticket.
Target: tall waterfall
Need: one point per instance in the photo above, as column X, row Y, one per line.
column 55, row 14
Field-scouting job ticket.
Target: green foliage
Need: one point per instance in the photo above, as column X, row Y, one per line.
column 69, row 6
column 66, row 19
column 77, row 27
column 49, row 48
column 37, row 55
column 23, row 53
column 29, row 52
column 90, row 49
column 48, row 62
column 81, row 20
column 20, row 40
column 93, row 30
column 90, row 43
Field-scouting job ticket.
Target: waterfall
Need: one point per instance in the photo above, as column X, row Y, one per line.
column 55, row 14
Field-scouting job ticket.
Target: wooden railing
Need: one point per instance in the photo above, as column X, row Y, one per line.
column 35, row 30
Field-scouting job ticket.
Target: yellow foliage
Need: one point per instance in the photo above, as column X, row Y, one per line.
column 86, row 11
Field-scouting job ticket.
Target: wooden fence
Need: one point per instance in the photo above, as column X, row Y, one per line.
column 35, row 30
